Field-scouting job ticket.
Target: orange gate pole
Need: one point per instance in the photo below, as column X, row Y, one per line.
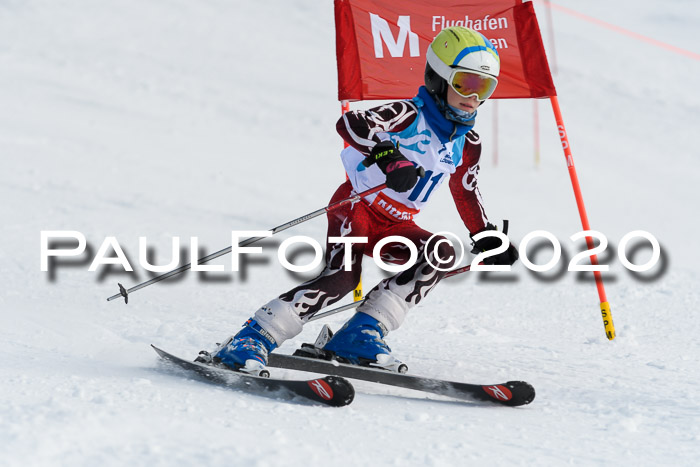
column 357, row 293
column 604, row 305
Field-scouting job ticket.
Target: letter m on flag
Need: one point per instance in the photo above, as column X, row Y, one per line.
column 382, row 33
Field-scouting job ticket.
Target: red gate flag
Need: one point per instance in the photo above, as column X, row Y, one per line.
column 381, row 45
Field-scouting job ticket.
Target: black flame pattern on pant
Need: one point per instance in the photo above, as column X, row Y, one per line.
column 360, row 220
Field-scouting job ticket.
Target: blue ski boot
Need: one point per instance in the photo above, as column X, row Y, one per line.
column 245, row 352
column 360, row 342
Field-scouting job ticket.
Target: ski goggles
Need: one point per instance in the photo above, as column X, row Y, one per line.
column 472, row 83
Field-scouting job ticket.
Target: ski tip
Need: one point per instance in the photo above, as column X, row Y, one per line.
column 160, row 352
column 512, row 393
column 333, row 390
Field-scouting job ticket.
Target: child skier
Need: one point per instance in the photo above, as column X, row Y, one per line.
column 387, row 144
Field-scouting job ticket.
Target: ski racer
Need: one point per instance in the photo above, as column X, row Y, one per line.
column 387, row 145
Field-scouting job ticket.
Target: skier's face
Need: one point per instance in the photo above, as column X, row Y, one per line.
column 468, row 104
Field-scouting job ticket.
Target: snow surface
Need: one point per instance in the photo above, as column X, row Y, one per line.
column 171, row 118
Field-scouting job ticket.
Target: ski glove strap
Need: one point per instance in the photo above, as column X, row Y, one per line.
column 401, row 174
column 507, row 258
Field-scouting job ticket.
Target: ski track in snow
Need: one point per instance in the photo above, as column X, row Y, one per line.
column 154, row 119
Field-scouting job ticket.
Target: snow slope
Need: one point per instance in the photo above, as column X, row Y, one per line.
column 154, row 119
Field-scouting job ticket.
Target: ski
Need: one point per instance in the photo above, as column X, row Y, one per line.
column 334, row 391
column 512, row 393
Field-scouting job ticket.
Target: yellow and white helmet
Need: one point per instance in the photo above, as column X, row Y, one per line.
column 463, row 59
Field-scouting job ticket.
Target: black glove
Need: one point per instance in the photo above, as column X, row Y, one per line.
column 508, row 257
column 401, row 174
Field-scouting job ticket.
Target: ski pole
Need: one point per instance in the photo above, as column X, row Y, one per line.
column 123, row 292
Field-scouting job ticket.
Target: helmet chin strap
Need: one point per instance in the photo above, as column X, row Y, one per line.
column 459, row 116
column 454, row 114
column 461, row 113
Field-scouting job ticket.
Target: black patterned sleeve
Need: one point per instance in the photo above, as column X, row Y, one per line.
column 463, row 185
column 359, row 128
